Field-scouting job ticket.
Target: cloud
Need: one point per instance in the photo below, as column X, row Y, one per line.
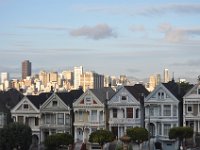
column 171, row 8
column 194, row 63
column 134, row 9
column 137, row 28
column 174, row 34
column 100, row 31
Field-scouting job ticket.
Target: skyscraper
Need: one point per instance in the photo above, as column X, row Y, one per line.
column 78, row 71
column 166, row 77
column 4, row 77
column 26, row 69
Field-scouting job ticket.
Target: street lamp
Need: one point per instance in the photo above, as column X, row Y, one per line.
column 149, row 134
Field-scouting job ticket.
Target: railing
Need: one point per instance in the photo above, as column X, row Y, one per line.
column 124, row 120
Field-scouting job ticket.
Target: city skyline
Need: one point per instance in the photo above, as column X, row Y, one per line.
column 135, row 38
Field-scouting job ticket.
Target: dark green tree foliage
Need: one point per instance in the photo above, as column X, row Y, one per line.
column 15, row 135
column 180, row 133
column 58, row 140
column 138, row 134
column 101, row 137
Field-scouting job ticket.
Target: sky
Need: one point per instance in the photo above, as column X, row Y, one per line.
column 134, row 37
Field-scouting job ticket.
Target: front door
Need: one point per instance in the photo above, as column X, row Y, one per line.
column 115, row 131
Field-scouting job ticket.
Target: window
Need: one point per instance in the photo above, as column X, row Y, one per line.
column 174, row 110
column 199, row 91
column 94, row 115
column 54, row 103
column 60, row 118
column 166, row 129
column 88, row 100
column 80, row 115
column 167, row 110
column 159, row 128
column 123, row 98
column 67, row 119
column 36, row 121
column 137, row 113
column 129, row 112
column 162, row 95
column 25, row 106
column 189, row 109
column 47, row 119
column 114, row 113
column 20, row 119
column 151, row 110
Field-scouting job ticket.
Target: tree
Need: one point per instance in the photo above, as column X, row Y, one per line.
column 58, row 140
column 15, row 135
column 138, row 134
column 101, row 137
column 180, row 133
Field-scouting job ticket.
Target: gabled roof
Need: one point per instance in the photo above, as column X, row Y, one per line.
column 103, row 93
column 137, row 90
column 9, row 99
column 66, row 97
column 38, row 100
column 69, row 97
column 175, row 89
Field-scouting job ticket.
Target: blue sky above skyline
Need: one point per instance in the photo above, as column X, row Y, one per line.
column 136, row 38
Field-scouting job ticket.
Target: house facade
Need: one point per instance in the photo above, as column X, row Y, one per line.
column 162, row 113
column 47, row 113
column 27, row 113
column 125, row 109
column 90, row 112
column 191, row 108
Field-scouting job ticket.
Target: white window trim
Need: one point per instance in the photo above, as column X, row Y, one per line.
column 192, row 108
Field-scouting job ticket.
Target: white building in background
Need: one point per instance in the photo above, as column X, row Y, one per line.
column 166, row 77
column 78, row 71
column 4, row 77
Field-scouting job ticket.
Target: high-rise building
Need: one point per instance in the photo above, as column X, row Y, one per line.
column 166, row 77
column 52, row 77
column 91, row 80
column 78, row 71
column 26, row 69
column 4, row 77
column 43, row 77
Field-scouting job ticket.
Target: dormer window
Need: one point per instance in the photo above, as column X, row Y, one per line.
column 25, row 106
column 88, row 100
column 123, row 98
column 54, row 103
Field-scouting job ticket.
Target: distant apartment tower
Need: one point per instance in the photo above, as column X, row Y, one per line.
column 26, row 69
column 91, row 80
column 166, row 77
column 4, row 77
column 78, row 71
column 52, row 77
column 43, row 77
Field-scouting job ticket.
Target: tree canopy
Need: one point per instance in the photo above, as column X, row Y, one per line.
column 180, row 132
column 138, row 134
column 101, row 137
column 15, row 135
column 55, row 141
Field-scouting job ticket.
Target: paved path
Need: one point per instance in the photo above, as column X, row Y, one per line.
column 78, row 145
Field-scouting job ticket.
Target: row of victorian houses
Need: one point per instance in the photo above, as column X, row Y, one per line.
column 80, row 113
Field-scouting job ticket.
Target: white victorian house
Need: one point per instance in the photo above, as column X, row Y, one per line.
column 191, row 108
column 56, row 113
column 125, row 109
column 90, row 112
column 27, row 112
column 162, row 113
